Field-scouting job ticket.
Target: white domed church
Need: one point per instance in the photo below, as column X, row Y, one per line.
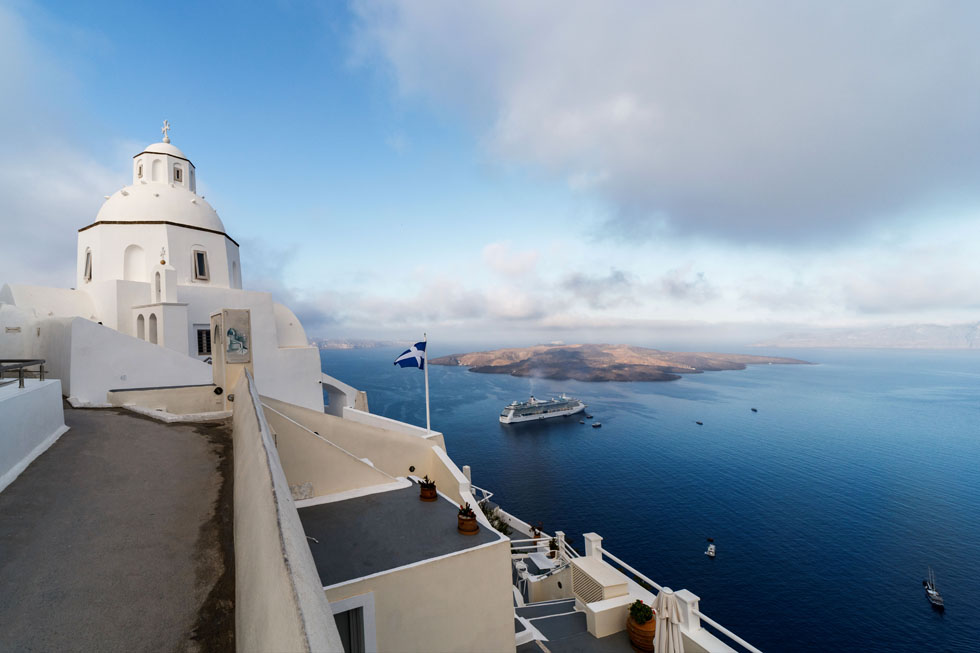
column 154, row 266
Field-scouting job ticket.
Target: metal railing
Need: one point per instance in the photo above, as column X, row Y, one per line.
column 20, row 364
column 486, row 493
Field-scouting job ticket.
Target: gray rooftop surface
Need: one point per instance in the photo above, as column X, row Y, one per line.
column 374, row 533
column 117, row 538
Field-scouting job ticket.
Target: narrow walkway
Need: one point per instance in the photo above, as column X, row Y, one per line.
column 118, row 538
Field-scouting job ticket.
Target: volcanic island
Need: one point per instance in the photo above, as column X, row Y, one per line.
column 603, row 362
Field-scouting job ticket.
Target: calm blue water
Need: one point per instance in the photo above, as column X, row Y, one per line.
column 827, row 505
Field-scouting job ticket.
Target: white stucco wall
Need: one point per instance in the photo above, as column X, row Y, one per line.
column 48, row 302
column 279, row 601
column 32, row 420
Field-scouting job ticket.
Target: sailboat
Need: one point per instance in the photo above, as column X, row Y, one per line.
column 932, row 593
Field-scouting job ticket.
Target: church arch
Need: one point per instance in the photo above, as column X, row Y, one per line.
column 156, row 170
column 134, row 264
column 156, row 287
column 153, row 328
column 141, row 327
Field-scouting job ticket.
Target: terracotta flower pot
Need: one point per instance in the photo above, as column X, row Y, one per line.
column 427, row 493
column 641, row 635
column 467, row 525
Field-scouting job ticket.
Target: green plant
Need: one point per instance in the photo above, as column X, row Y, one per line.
column 492, row 514
column 640, row 612
column 466, row 511
column 553, row 544
column 427, row 484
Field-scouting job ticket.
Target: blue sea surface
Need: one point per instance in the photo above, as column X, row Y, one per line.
column 827, row 505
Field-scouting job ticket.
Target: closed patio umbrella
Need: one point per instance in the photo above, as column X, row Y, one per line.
column 668, row 637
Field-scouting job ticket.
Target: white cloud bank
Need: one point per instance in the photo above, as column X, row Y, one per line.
column 759, row 121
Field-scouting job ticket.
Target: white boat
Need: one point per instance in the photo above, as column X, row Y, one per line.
column 935, row 598
column 535, row 409
column 711, row 549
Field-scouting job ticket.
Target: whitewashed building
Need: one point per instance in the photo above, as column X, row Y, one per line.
column 153, row 266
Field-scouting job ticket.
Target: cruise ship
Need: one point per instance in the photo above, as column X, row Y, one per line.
column 178, row 473
column 535, row 409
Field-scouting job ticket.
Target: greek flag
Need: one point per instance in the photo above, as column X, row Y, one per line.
column 414, row 357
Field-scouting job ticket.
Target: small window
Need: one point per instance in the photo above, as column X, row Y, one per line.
column 204, row 342
column 201, row 265
column 139, row 170
column 88, row 265
column 176, row 173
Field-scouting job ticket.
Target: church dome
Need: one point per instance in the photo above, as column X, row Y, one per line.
column 163, row 148
column 160, row 203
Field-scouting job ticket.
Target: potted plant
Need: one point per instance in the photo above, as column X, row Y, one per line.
column 553, row 547
column 427, row 489
column 641, row 626
column 467, row 524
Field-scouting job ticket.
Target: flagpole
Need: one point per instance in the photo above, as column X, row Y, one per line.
column 428, row 426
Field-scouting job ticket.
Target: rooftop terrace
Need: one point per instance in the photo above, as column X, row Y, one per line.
column 370, row 534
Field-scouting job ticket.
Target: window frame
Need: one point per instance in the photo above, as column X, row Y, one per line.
column 200, row 275
column 178, row 175
column 87, row 271
column 207, row 341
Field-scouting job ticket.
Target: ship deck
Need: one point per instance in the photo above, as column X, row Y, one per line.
column 114, row 540
column 375, row 533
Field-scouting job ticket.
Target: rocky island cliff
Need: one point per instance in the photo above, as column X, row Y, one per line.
column 603, row 362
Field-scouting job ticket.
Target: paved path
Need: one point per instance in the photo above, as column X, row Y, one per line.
column 118, row 539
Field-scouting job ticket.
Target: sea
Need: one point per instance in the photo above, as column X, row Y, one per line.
column 827, row 505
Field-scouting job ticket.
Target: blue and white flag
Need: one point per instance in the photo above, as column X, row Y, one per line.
column 414, row 357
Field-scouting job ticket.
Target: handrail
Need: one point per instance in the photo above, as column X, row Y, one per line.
column 725, row 631
column 486, row 493
column 19, row 364
column 630, row 569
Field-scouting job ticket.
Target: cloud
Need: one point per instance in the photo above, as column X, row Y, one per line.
column 600, row 292
column 504, row 260
column 752, row 121
column 686, row 285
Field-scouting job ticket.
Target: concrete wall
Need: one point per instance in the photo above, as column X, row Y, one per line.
column 459, row 603
column 279, row 601
column 309, row 458
column 179, row 401
column 31, row 420
column 393, row 452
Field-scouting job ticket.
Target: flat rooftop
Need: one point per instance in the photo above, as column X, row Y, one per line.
column 374, row 533
column 118, row 538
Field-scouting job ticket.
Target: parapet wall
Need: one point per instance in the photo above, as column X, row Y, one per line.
column 279, row 600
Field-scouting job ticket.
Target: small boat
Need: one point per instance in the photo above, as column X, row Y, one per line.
column 597, row 425
column 755, row 410
column 581, row 421
column 588, row 417
column 711, row 548
column 699, row 423
column 935, row 598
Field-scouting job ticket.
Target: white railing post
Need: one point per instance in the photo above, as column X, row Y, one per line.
column 688, row 602
column 560, row 553
column 467, row 474
column 593, row 545
column 465, row 487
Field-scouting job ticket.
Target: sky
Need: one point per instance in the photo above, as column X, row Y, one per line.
column 513, row 172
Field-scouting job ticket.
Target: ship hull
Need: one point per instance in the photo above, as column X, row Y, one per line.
column 514, row 419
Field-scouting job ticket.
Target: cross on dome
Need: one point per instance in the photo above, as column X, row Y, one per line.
column 165, row 130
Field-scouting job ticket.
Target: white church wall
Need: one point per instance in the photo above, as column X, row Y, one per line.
column 291, row 373
column 289, row 330
column 183, row 241
column 113, row 300
column 49, row 302
column 17, row 332
column 109, row 244
column 102, row 359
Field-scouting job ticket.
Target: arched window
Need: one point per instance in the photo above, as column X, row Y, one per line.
column 153, row 328
column 156, row 287
column 156, row 170
column 87, row 275
column 139, row 169
column 178, row 174
column 134, row 264
column 141, row 327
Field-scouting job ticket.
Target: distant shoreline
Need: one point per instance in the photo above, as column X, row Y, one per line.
column 602, row 363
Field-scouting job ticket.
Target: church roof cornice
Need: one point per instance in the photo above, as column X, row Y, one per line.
column 182, row 158
column 167, row 222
